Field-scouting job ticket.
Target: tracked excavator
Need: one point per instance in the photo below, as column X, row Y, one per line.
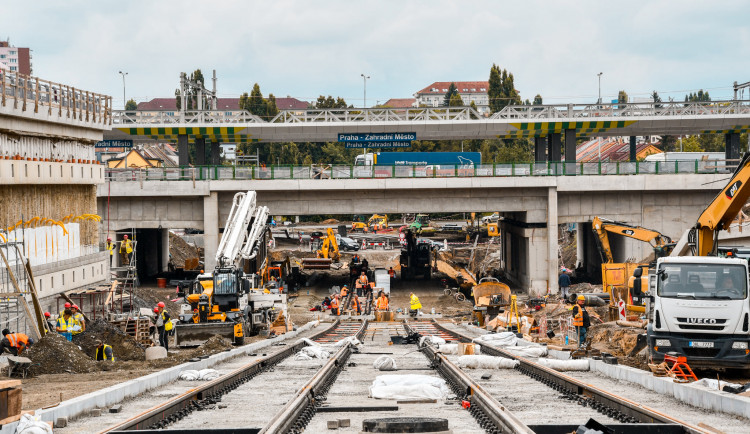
column 327, row 254
column 615, row 275
column 227, row 302
column 698, row 297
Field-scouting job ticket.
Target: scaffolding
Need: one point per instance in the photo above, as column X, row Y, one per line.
column 20, row 310
column 126, row 275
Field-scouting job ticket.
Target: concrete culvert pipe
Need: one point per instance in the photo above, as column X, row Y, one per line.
column 591, row 300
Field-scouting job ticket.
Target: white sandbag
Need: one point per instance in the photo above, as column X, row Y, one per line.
column 30, row 424
column 565, row 365
column 189, row 375
column 527, row 351
column 486, row 362
column 448, row 348
column 385, row 363
column 432, row 340
column 302, row 356
column 208, row 374
column 713, row 384
column 315, row 352
column 348, row 340
column 411, row 386
column 504, row 339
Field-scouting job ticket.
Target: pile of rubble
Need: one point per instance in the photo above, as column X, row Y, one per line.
column 124, row 346
column 54, row 354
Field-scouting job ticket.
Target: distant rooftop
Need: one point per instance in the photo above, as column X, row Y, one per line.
column 157, row 104
column 441, row 87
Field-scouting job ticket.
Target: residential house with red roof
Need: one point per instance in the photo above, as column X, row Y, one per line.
column 470, row 91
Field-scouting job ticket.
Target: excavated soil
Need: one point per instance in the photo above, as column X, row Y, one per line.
column 123, row 345
column 619, row 341
column 54, row 354
column 180, row 250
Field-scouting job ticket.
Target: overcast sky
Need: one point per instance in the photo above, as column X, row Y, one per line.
column 307, row 48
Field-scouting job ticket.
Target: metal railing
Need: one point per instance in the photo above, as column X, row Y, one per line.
column 441, row 114
column 217, row 173
column 26, row 93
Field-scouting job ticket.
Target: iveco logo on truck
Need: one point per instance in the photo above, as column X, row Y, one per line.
column 701, row 320
column 732, row 190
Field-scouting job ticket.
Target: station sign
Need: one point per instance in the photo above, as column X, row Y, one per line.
column 114, row 144
column 377, row 140
column 358, row 145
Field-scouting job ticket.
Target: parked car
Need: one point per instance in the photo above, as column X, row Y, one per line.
column 452, row 227
column 491, row 218
column 347, row 244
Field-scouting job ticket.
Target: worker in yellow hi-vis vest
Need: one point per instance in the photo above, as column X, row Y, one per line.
column 126, row 248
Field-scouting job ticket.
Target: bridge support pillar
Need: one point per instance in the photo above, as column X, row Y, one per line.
column 210, row 229
column 164, row 232
column 580, row 242
column 215, row 154
column 200, row 151
column 554, row 143
column 183, row 156
column 632, row 149
column 570, row 152
column 540, row 149
column 552, row 262
column 732, row 146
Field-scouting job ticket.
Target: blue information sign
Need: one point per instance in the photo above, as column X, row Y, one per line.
column 377, row 137
column 114, row 144
column 350, row 145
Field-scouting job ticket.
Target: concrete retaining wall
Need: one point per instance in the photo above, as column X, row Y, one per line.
column 114, row 394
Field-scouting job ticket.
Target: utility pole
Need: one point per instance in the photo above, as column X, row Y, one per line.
column 599, row 101
column 365, row 77
column 124, row 101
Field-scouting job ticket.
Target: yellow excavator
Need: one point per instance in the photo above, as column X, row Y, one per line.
column 378, row 222
column 615, row 275
column 327, row 254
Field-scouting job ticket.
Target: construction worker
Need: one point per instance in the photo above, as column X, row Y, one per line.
column 126, row 248
column 78, row 316
column 581, row 319
column 326, row 304
column 15, row 343
column 335, row 305
column 382, row 303
column 66, row 324
column 355, row 259
column 103, row 352
column 356, row 305
column 163, row 325
column 67, row 306
column 344, row 292
column 362, row 283
column 414, row 305
column 111, row 248
column 392, row 274
column 50, row 323
column 564, row 282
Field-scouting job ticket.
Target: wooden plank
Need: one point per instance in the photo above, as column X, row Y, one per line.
column 17, row 417
column 15, row 401
column 10, row 384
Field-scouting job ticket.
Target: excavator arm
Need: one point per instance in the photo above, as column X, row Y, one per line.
column 330, row 248
column 719, row 214
column 602, row 227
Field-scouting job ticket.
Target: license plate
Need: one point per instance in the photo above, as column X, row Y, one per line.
column 694, row 344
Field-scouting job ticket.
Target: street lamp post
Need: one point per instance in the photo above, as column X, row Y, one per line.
column 599, row 101
column 124, row 101
column 365, row 77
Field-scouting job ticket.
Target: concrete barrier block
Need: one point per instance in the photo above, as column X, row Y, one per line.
column 344, row 423
column 61, row 422
column 333, row 424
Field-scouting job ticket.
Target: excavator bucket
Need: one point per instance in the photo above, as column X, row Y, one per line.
column 192, row 334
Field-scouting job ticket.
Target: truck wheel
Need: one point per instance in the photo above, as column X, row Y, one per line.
column 239, row 341
column 460, row 297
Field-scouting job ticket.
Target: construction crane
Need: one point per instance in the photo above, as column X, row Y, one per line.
column 615, row 275
column 699, row 304
column 219, row 302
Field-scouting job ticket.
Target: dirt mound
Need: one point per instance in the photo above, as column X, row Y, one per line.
column 618, row 341
column 329, row 222
column 54, row 354
column 180, row 250
column 124, row 346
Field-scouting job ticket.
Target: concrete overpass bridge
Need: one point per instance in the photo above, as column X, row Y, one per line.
column 533, row 206
column 547, row 124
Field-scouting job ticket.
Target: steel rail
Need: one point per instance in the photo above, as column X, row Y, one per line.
column 491, row 415
column 298, row 412
column 587, row 394
column 179, row 406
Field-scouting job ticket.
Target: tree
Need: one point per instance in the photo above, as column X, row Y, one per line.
column 452, row 91
column 191, row 93
column 328, row 102
column 622, row 97
column 700, row 96
column 131, row 105
column 502, row 91
column 538, row 100
column 271, row 109
column 657, row 100
column 456, row 100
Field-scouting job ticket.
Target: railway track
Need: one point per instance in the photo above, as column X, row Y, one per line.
column 525, row 391
column 209, row 395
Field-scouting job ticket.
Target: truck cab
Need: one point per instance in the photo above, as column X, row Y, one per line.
column 700, row 309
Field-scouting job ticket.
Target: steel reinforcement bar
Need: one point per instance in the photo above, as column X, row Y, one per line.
column 180, row 406
column 491, row 415
column 615, row 406
column 298, row 412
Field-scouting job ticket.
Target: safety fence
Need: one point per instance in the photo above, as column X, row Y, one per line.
column 203, row 173
column 32, row 94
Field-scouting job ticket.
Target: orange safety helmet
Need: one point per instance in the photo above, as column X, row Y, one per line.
column 161, row 304
column 156, row 310
column 47, row 314
column 75, row 306
column 67, row 305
